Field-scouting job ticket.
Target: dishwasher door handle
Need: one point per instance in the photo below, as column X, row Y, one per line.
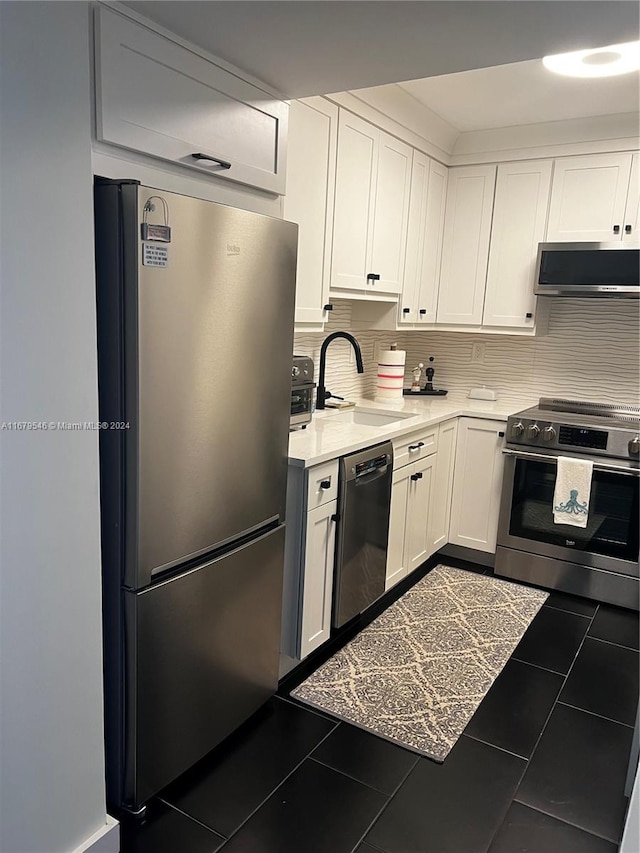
column 371, row 476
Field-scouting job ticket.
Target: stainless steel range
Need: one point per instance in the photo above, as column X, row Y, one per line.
column 599, row 561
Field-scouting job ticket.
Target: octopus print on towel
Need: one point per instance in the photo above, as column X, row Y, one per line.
column 573, row 505
column 418, row 672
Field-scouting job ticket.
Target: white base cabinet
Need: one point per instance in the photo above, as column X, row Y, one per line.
column 409, row 539
column 440, row 514
column 317, row 585
column 309, row 558
column 477, row 482
column 413, row 487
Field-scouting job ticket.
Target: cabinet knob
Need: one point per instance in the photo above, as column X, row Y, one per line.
column 500, row 435
column 627, row 229
column 528, row 315
column 373, row 276
column 325, row 484
column 616, row 229
column 423, row 311
column 327, row 307
column 417, row 476
column 406, row 310
column 335, row 517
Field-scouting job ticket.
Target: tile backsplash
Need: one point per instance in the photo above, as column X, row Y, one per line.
column 591, row 352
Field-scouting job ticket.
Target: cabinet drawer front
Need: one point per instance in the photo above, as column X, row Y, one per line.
column 322, row 484
column 155, row 96
column 409, row 448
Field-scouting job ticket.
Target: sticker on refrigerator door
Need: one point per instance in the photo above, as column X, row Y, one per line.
column 155, row 255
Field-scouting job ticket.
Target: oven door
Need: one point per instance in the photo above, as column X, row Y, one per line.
column 610, row 539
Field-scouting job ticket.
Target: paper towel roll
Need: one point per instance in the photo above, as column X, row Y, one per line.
column 390, row 379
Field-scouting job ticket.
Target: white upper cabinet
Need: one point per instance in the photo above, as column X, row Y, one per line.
column 631, row 230
column 465, row 247
column 311, row 166
column 589, row 198
column 373, row 176
column 157, row 96
column 391, row 214
column 424, row 241
column 519, row 220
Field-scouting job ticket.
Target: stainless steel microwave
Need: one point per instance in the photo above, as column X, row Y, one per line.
column 588, row 269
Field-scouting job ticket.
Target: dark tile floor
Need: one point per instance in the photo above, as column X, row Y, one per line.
column 541, row 766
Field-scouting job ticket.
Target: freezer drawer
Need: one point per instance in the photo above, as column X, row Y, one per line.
column 202, row 655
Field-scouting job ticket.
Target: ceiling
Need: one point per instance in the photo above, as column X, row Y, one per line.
column 522, row 93
column 313, row 47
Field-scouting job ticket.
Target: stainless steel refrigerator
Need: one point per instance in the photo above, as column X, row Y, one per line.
column 195, row 308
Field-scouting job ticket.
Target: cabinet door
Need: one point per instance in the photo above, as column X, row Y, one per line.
column 476, row 484
column 631, row 228
column 424, row 241
column 466, row 244
column 155, row 96
column 357, row 158
column 396, row 566
column 588, row 198
column 393, row 184
column 519, row 220
column 311, row 166
column 317, row 579
column 440, row 513
column 417, row 538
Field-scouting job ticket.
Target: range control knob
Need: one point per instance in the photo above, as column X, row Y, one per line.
column 533, row 431
column 634, row 446
column 295, row 371
column 517, row 430
column 548, row 433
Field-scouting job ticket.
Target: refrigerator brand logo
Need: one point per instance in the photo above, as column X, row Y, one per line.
column 570, row 542
column 233, row 249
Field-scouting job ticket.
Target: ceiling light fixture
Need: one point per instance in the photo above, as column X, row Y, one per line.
column 601, row 62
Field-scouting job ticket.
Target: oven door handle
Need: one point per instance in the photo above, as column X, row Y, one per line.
column 614, row 469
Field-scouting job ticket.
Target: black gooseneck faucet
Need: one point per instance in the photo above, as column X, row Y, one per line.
column 323, row 394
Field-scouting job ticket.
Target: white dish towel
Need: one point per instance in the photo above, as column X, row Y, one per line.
column 573, row 492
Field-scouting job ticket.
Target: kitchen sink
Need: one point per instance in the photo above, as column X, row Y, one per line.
column 369, row 417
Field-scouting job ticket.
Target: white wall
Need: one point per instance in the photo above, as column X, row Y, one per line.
column 51, row 760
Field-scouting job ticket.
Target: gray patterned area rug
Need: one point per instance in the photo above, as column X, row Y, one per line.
column 417, row 673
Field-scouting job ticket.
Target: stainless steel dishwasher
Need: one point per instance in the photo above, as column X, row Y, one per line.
column 364, row 497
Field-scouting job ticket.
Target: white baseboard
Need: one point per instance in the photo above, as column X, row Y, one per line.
column 105, row 840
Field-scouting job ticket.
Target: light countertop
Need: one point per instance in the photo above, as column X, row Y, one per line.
column 328, row 436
